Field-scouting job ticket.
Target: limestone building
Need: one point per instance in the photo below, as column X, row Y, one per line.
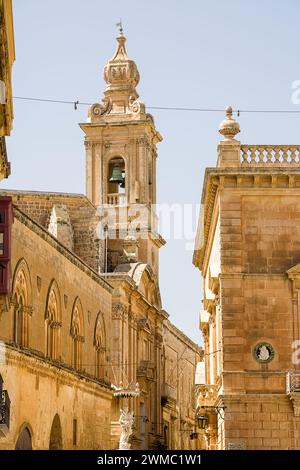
column 180, row 359
column 248, row 251
column 81, row 312
column 7, row 58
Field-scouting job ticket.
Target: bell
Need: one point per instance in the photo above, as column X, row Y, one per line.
column 116, row 176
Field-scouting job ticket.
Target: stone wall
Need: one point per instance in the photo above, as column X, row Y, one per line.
column 83, row 219
column 39, row 385
column 39, row 390
column 180, row 359
column 259, row 244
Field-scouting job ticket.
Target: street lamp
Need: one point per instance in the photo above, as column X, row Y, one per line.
column 202, row 421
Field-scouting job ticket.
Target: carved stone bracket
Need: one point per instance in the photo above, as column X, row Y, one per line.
column 295, row 399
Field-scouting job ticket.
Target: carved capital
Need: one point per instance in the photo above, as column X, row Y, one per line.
column 159, row 337
column 143, row 141
column 119, row 311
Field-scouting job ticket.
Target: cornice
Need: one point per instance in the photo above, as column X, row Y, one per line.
column 66, row 375
column 182, row 336
column 240, row 179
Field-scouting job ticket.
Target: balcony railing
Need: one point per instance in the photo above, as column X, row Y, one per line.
column 4, row 413
column 270, row 155
column 293, row 382
column 117, row 199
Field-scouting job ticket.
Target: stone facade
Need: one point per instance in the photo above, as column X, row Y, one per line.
column 7, row 58
column 48, row 370
column 248, row 251
column 180, row 359
column 84, row 318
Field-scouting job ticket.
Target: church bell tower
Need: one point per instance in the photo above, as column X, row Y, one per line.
column 120, row 141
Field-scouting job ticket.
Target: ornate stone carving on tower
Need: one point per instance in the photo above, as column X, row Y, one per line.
column 120, row 139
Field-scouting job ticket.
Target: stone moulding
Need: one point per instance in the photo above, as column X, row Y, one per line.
column 31, row 361
column 244, row 177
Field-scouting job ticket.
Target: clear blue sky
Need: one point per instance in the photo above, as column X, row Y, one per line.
column 190, row 54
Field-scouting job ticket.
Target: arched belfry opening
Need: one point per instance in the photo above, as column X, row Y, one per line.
column 116, row 184
column 56, row 434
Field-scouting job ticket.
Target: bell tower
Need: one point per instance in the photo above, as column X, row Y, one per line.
column 120, row 141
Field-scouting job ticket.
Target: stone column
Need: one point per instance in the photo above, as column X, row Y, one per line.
column 88, row 169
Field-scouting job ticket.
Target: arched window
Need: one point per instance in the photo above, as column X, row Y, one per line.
column 117, row 184
column 77, row 334
column 22, row 303
column 100, row 346
column 24, row 440
column 56, row 434
column 53, row 322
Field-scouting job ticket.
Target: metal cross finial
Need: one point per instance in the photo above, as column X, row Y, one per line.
column 120, row 26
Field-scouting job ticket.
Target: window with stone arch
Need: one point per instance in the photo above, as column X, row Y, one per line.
column 22, row 303
column 77, row 334
column 53, row 322
column 100, row 346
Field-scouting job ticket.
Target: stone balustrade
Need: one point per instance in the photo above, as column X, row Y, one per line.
column 116, row 199
column 266, row 155
column 293, row 382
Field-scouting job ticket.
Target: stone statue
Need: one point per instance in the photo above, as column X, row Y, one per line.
column 126, row 422
column 264, row 353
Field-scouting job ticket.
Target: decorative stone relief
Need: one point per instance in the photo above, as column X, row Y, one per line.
column 118, row 311
column 97, row 109
column 263, row 352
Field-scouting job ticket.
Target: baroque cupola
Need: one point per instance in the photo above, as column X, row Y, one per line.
column 120, row 96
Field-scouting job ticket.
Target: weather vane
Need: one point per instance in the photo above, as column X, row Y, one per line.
column 120, row 26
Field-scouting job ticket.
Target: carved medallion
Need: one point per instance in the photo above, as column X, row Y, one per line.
column 263, row 352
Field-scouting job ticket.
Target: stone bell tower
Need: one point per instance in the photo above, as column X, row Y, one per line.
column 120, row 141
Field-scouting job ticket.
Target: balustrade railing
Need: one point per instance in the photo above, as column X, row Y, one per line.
column 293, row 382
column 266, row 155
column 117, row 199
